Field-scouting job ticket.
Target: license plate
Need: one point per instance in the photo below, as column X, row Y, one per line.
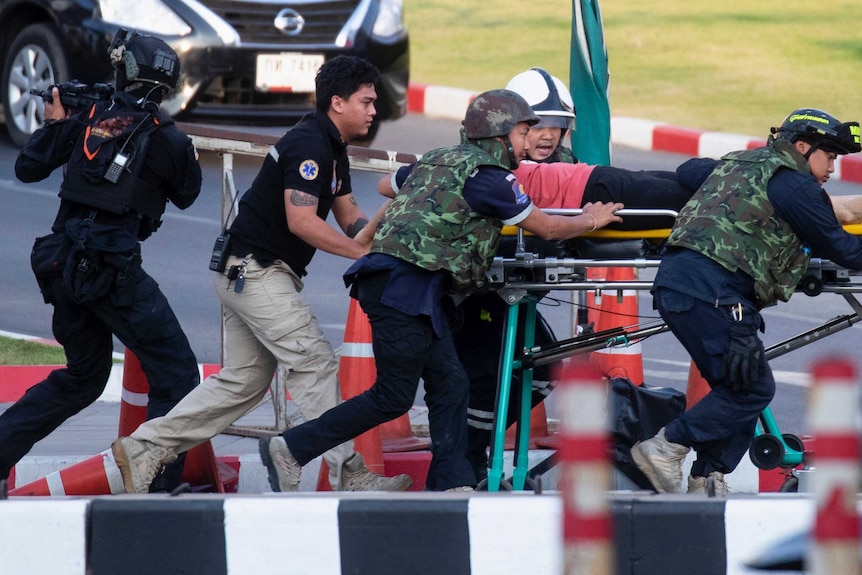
column 287, row 72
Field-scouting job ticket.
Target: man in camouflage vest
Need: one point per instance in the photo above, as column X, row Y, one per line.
column 436, row 240
column 742, row 243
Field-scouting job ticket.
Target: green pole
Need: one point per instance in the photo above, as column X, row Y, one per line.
column 588, row 77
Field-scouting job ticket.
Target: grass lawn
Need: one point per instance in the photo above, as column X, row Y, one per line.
column 734, row 66
column 21, row 352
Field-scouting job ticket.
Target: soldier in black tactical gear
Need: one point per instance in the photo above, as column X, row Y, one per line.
column 433, row 246
column 123, row 160
column 741, row 244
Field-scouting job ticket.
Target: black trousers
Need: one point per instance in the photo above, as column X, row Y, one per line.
column 405, row 351
column 637, row 189
column 147, row 327
column 720, row 427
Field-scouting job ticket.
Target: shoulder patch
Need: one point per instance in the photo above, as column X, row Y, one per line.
column 309, row 169
column 518, row 189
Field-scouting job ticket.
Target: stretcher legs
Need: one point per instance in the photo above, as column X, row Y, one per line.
column 508, row 367
column 769, row 449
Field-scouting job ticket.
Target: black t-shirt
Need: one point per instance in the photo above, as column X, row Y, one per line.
column 310, row 158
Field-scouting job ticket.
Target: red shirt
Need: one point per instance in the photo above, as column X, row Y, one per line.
column 556, row 185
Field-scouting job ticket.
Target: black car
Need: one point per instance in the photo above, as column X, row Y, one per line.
column 243, row 61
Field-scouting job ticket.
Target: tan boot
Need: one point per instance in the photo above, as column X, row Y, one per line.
column 701, row 484
column 139, row 462
column 281, row 466
column 357, row 477
column 661, row 461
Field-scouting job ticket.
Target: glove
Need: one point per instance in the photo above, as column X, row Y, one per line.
column 742, row 359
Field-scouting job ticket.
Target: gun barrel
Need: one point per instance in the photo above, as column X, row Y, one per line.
column 44, row 94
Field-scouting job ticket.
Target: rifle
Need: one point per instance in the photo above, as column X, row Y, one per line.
column 75, row 95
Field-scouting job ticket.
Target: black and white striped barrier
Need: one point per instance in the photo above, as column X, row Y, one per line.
column 398, row 534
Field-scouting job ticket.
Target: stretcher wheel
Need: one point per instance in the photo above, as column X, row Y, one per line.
column 794, row 443
column 811, row 286
column 766, row 452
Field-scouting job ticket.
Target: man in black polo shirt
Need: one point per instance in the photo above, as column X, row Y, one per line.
column 280, row 224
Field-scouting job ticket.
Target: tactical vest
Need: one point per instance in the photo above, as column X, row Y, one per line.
column 731, row 221
column 116, row 130
column 431, row 225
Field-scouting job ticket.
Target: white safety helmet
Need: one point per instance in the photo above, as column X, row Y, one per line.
column 548, row 96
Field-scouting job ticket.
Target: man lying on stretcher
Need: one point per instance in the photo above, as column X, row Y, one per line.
column 562, row 185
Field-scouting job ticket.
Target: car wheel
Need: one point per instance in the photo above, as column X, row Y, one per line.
column 35, row 61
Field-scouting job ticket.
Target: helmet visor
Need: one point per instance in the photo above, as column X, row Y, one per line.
column 555, row 120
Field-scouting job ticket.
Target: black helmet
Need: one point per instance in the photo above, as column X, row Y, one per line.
column 144, row 62
column 548, row 96
column 820, row 129
column 495, row 113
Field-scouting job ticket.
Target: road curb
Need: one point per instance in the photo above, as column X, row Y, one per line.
column 421, row 534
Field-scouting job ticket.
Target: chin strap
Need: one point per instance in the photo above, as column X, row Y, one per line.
column 814, row 147
column 513, row 161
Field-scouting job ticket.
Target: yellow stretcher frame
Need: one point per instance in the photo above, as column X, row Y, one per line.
column 657, row 234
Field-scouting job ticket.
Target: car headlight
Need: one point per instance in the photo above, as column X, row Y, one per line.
column 390, row 18
column 144, row 16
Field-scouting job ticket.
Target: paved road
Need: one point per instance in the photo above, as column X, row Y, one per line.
column 177, row 257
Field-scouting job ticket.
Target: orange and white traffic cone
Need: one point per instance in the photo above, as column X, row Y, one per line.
column 619, row 310
column 134, row 397
column 538, row 428
column 96, row 475
column 585, row 471
column 696, row 388
column 356, row 374
column 832, row 415
column 201, row 467
column 397, row 436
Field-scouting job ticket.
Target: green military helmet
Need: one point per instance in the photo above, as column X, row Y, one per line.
column 495, row 113
column 822, row 130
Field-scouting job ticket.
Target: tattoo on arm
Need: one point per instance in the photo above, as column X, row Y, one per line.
column 298, row 198
column 355, row 227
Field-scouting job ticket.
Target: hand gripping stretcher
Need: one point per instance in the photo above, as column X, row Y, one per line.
column 524, row 279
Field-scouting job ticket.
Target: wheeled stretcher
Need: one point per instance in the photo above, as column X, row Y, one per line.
column 524, row 279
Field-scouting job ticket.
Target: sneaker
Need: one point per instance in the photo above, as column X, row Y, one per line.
column 702, row 484
column 661, row 461
column 139, row 462
column 461, row 489
column 283, row 469
column 357, row 477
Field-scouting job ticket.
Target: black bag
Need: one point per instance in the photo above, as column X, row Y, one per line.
column 47, row 260
column 98, row 254
column 635, row 413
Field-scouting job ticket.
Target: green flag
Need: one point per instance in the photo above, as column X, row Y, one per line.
column 588, row 78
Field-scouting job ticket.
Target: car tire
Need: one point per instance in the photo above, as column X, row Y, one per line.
column 35, row 60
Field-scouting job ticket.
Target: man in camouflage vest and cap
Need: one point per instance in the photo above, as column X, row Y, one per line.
column 742, row 243
column 435, row 241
